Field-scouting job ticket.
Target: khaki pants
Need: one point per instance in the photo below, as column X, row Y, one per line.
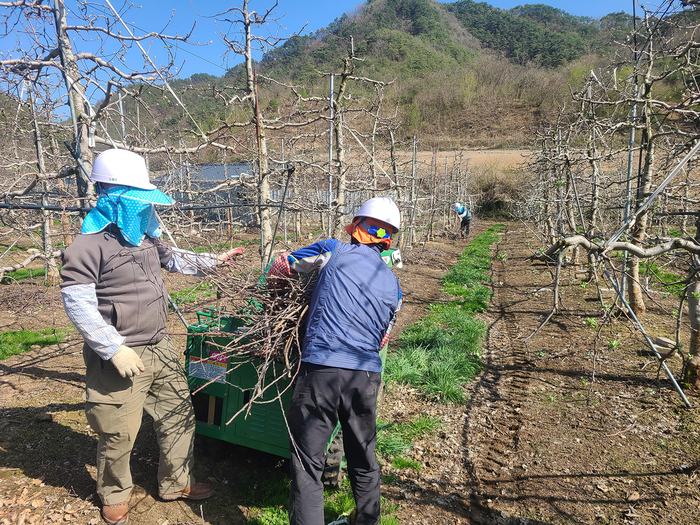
column 114, row 410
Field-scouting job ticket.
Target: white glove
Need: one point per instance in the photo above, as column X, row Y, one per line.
column 127, row 363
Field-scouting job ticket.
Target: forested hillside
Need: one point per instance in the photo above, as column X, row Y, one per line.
column 539, row 34
column 467, row 72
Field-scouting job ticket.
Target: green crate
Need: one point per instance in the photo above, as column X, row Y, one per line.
column 263, row 427
column 392, row 257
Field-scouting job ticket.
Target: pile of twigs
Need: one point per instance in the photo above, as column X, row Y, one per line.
column 272, row 314
column 260, row 322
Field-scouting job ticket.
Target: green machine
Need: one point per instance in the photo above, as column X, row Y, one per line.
column 224, row 384
column 230, row 382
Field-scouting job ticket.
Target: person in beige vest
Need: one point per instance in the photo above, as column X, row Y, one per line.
column 114, row 294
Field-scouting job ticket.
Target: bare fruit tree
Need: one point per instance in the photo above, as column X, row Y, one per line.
column 614, row 176
column 60, row 95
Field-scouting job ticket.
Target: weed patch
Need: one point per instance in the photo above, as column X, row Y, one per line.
column 466, row 280
column 269, row 502
column 16, row 342
column 272, row 503
column 395, row 438
column 195, row 294
column 403, row 463
column 670, row 281
column 22, row 274
column 222, row 246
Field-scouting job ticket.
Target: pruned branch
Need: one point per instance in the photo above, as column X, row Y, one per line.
column 590, row 246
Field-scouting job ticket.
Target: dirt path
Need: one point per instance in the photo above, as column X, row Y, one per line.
column 551, row 443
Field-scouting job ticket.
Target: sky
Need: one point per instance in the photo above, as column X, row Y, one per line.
column 592, row 8
column 293, row 15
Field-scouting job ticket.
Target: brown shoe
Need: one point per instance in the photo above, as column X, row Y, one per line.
column 196, row 491
column 117, row 514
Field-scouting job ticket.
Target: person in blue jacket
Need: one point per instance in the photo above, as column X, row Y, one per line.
column 465, row 217
column 352, row 311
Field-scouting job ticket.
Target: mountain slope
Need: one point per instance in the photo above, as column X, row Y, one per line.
column 466, row 71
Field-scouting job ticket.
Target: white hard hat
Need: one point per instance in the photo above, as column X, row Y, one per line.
column 121, row 167
column 457, row 206
column 383, row 209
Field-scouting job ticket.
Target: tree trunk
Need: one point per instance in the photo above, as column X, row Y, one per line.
column 595, row 189
column 570, row 203
column 266, row 240
column 692, row 369
column 51, row 268
column 76, row 92
column 647, row 147
column 694, row 312
column 341, row 178
column 693, row 297
column 399, row 196
column 636, row 298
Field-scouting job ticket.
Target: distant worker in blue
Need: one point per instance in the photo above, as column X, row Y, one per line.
column 352, row 311
column 466, row 219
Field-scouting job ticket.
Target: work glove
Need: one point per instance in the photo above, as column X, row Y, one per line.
column 127, row 363
column 221, row 259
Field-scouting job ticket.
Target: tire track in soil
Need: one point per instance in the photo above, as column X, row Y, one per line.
column 494, row 423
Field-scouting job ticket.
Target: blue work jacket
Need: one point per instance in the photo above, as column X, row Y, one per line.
column 353, row 304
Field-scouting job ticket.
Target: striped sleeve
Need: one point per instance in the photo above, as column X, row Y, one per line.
column 80, row 302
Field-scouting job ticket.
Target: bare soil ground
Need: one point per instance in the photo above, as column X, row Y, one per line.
column 559, row 429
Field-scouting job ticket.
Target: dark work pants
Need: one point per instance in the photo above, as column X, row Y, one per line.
column 322, row 397
column 466, row 223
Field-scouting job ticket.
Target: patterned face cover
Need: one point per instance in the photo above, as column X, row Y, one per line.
column 131, row 209
column 369, row 231
column 377, row 231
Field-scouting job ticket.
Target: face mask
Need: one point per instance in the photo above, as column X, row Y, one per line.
column 367, row 231
column 132, row 210
column 153, row 228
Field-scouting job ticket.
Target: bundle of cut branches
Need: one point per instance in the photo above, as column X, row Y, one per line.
column 260, row 322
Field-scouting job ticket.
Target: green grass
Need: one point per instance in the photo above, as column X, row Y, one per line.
column 195, row 294
column 440, row 354
column 16, row 342
column 402, row 463
column 665, row 277
column 340, row 503
column 466, row 280
column 337, row 503
column 269, row 501
column 660, row 275
column 272, row 503
column 395, row 438
column 222, row 246
column 22, row 274
column 390, row 443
